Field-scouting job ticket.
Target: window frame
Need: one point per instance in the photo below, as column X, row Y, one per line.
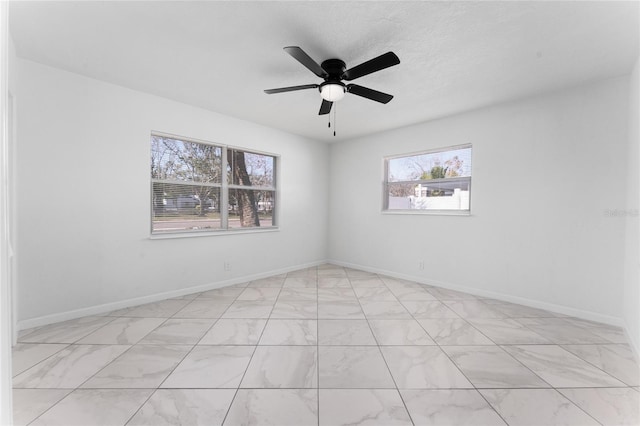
column 224, row 187
column 445, row 212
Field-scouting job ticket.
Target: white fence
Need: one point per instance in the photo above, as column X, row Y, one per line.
column 458, row 201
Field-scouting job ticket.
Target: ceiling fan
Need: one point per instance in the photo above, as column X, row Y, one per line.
column 333, row 71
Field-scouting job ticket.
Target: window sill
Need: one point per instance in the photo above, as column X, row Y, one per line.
column 225, row 232
column 429, row 212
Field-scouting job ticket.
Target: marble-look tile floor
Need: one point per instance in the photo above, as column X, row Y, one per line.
column 326, row 346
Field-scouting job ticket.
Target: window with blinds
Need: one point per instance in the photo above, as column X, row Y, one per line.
column 436, row 180
column 197, row 186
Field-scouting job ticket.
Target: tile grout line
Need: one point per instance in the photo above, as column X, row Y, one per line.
column 475, row 388
column 594, row 365
column 318, row 346
column 382, row 356
column 235, row 395
column 177, row 364
column 50, row 408
column 317, row 349
column 577, row 406
column 13, row 376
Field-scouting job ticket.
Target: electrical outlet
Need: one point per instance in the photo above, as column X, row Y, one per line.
column 421, row 265
column 227, row 266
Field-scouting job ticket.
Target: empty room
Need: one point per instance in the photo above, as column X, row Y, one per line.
column 320, row 213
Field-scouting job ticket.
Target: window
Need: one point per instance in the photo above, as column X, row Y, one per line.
column 197, row 186
column 438, row 180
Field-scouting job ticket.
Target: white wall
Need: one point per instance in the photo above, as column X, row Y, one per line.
column 11, row 151
column 83, row 197
column 632, row 253
column 5, row 225
column 562, row 157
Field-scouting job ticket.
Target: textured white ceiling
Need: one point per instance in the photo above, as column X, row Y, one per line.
column 455, row 56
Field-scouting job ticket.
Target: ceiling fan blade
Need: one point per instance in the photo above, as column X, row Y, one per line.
column 365, row 92
column 291, row 89
column 387, row 60
column 325, row 108
column 301, row 56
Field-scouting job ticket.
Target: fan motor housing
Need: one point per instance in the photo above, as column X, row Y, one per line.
column 334, row 67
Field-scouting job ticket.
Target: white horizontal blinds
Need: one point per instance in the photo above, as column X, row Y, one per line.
column 252, row 195
column 197, row 186
column 180, row 207
column 186, row 181
column 431, row 180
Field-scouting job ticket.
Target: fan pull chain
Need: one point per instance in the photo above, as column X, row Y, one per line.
column 335, row 107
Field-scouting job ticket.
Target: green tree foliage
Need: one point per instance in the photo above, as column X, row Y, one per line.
column 453, row 168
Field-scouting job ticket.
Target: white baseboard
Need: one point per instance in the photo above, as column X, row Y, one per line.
column 121, row 304
column 560, row 309
column 112, row 306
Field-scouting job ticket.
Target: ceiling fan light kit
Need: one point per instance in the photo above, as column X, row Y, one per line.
column 333, row 72
column 332, row 92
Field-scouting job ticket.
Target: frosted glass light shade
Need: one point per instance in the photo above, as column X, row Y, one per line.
column 332, row 92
